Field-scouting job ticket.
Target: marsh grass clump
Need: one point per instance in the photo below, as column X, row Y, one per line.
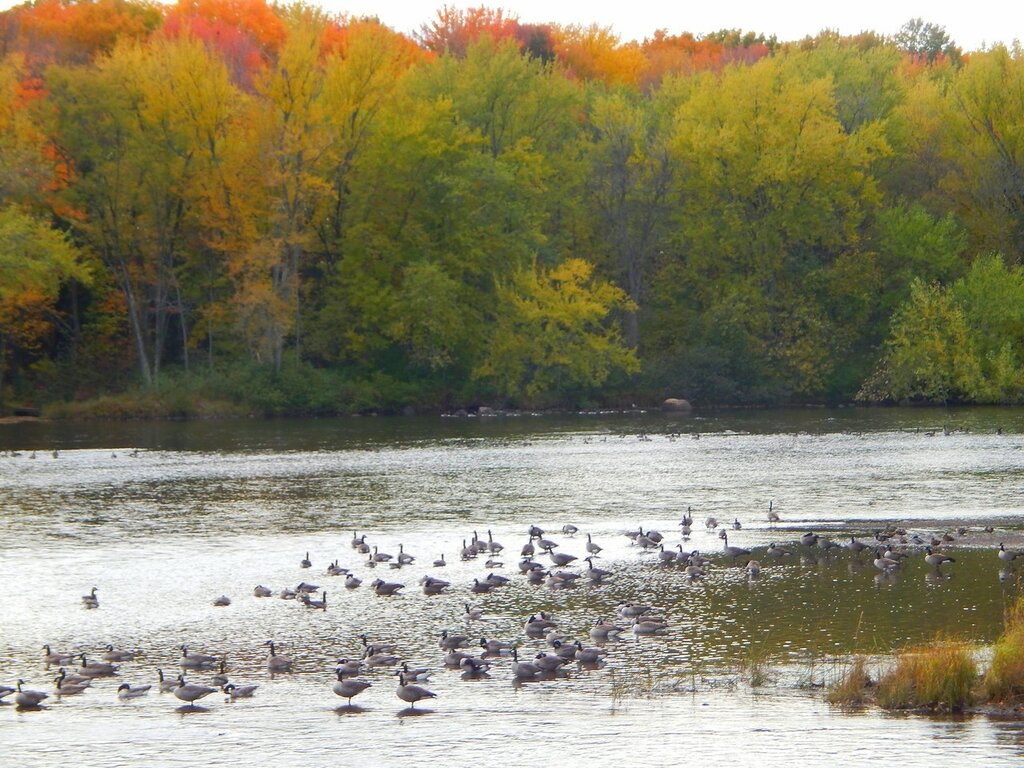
column 1005, row 677
column 639, row 685
column 939, row 676
column 853, row 687
column 755, row 667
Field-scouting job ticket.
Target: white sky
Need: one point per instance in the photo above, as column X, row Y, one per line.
column 970, row 23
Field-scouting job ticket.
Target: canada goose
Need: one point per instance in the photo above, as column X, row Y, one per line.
column 349, row 667
column 386, row 588
column 666, row 556
column 1007, row 555
column 127, row 691
column 65, row 688
column 412, row 693
column 603, row 630
column 415, row 674
column 536, row 532
column 320, row 604
column 733, row 552
column 632, row 610
column 856, row 546
column 549, row 662
column 90, row 600
column 473, row 666
column 547, row 545
column 336, row 570
column 440, row 563
column 347, row 687
column 222, row 601
column 711, row 523
column 191, row 691
column 596, row 575
column 736, row 524
column 277, row 663
column 261, row 591
column 493, row 546
column 492, row 646
column 527, row 550
column 73, row 677
column 885, row 564
column 351, row 581
column 28, row 698
column 539, row 624
column 753, row 569
column 561, row 559
column 774, row 550
column 648, row 627
column 51, row 657
column 196, row 660
column 482, row 587
column 305, row 562
column 404, row 557
column 593, row 548
column 381, row 557
column 569, row 529
column 6, row 690
column 467, row 552
column 564, row 648
column 116, row 655
column 288, row 594
column 372, row 648
column 587, row 655
column 96, row 668
column 356, row 540
column 221, row 678
column 809, row 539
column 473, row 614
column 773, row 516
column 523, row 669
column 432, row 586
column 451, row 642
column 935, row 559
column 497, row 579
column 307, row 588
column 166, row 684
column 380, row 659
column 239, row 691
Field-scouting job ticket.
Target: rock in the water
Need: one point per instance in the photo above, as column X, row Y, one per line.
column 676, row 404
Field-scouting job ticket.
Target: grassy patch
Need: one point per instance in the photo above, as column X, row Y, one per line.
column 939, row 676
column 1005, row 677
column 853, row 687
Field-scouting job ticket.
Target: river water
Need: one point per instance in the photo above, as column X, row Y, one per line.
column 164, row 517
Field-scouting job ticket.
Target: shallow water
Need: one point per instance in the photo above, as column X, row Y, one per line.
column 163, row 518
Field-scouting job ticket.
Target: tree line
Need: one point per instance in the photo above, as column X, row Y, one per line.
column 301, row 212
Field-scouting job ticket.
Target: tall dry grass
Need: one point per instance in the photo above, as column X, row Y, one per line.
column 942, row 676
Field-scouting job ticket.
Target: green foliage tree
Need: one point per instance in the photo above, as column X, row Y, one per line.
column 553, row 335
column 34, row 262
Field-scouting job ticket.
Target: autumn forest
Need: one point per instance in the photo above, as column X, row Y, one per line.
column 229, row 206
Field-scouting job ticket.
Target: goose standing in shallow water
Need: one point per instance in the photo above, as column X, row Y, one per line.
column 412, row 693
column 732, row 551
column 347, row 688
column 935, row 559
column 191, row 692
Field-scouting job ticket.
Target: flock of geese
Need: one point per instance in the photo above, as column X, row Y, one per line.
column 541, row 561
